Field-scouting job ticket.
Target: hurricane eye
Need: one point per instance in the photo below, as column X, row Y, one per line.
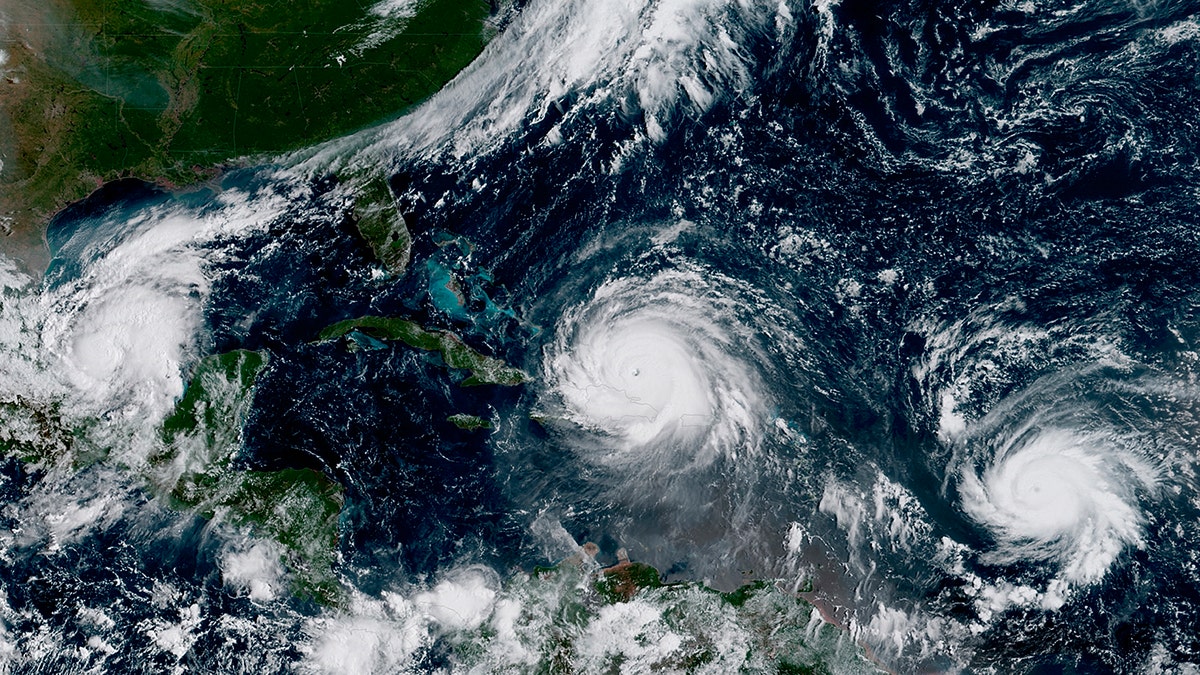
column 645, row 365
column 1063, row 497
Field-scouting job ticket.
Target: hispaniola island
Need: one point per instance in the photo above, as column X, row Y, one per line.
column 408, row 337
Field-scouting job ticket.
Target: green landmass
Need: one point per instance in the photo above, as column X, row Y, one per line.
column 298, row 508
column 217, row 395
column 623, row 581
column 42, row 434
column 456, row 353
column 34, row 433
column 739, row 596
column 469, row 422
column 563, row 605
column 97, row 90
column 382, row 225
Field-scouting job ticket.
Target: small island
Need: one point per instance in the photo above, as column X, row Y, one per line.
column 469, row 422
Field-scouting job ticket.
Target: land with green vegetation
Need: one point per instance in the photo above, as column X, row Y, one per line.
column 456, row 353
column 170, row 90
column 382, row 226
column 298, row 508
column 775, row 629
column 621, row 582
column 469, row 422
column 35, row 433
column 194, row 469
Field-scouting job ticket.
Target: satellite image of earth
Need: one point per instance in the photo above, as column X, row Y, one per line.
column 599, row 336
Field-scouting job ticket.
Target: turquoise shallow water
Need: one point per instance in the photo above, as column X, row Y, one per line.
column 893, row 309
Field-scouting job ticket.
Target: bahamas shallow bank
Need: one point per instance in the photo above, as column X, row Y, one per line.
column 867, row 333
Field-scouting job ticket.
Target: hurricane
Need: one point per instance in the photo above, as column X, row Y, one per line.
column 1059, row 496
column 660, row 372
column 661, row 377
column 667, row 336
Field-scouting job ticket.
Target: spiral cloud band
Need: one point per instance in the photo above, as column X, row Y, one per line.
column 1060, row 496
column 653, row 368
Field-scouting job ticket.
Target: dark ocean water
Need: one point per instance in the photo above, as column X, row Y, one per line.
column 897, row 299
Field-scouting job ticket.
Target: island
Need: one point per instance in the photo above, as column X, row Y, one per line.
column 456, row 353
